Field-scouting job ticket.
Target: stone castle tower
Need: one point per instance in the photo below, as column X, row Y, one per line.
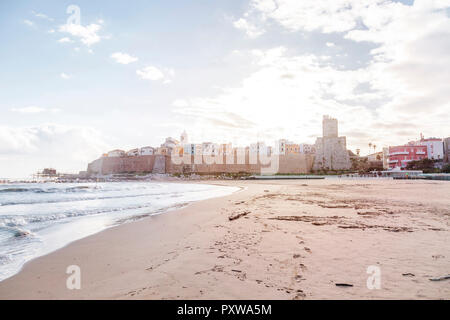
column 184, row 138
column 331, row 150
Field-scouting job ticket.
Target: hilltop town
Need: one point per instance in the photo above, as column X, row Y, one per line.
column 328, row 155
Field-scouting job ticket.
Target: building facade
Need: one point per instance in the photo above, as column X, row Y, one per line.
column 447, row 149
column 331, row 150
column 292, row 148
column 147, row 151
column 307, row 148
column 399, row 156
column 116, row 153
column 133, row 152
column 435, row 148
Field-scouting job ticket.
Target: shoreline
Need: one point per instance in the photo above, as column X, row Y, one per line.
column 124, row 220
column 295, row 240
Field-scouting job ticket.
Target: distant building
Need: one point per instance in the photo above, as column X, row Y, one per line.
column 329, row 127
column 292, row 148
column 377, row 156
column 49, row 172
column 133, row 152
column 447, row 149
column 281, row 146
column 184, row 138
column 116, row 153
column 331, row 150
column 226, row 149
column 189, row 148
column 147, row 151
column 162, row 151
column 210, row 149
column 399, row 156
column 307, row 148
column 435, row 148
column 385, row 158
column 258, row 148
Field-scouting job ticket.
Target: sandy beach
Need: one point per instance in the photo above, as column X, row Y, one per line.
column 293, row 239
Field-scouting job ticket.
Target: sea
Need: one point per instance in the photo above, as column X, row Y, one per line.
column 38, row 218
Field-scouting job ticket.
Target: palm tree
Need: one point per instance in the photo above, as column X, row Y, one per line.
column 374, row 148
column 370, row 146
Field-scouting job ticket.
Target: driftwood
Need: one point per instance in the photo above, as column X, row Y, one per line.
column 239, row 215
column 343, row 285
column 440, row 278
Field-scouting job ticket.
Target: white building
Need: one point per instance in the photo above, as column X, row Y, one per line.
column 281, row 146
column 133, row 152
column 307, row 148
column 147, row 151
column 189, row 148
column 116, row 153
column 435, row 148
column 170, row 143
column 184, row 138
column 259, row 148
column 210, row 149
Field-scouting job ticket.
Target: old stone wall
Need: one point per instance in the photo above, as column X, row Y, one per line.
column 112, row 165
column 332, row 154
column 292, row 163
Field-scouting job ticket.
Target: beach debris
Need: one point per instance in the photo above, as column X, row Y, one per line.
column 408, row 274
column 343, row 285
column 22, row 233
column 368, row 213
column 440, row 278
column 234, row 270
column 296, row 255
column 266, row 191
column 437, row 256
column 298, row 278
column 239, row 215
column 307, row 249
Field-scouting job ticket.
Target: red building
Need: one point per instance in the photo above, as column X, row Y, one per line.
column 399, row 156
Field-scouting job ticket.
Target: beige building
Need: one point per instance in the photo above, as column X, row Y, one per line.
column 331, row 150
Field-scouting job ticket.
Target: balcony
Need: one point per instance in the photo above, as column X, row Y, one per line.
column 398, row 153
column 420, row 152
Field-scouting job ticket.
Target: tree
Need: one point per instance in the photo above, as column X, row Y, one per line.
column 446, row 168
column 424, row 164
column 370, row 146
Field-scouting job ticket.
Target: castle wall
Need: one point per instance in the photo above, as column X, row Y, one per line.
column 292, row 163
column 112, row 165
column 332, row 154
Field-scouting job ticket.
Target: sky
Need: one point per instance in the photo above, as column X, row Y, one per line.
column 81, row 78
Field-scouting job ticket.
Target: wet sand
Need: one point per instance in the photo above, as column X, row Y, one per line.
column 292, row 239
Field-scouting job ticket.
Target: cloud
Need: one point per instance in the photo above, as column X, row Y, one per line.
column 154, row 74
column 65, row 40
column 28, row 23
column 33, row 110
column 42, row 16
column 292, row 92
column 123, row 58
column 403, row 81
column 67, row 148
column 251, row 30
column 65, row 76
column 88, row 35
